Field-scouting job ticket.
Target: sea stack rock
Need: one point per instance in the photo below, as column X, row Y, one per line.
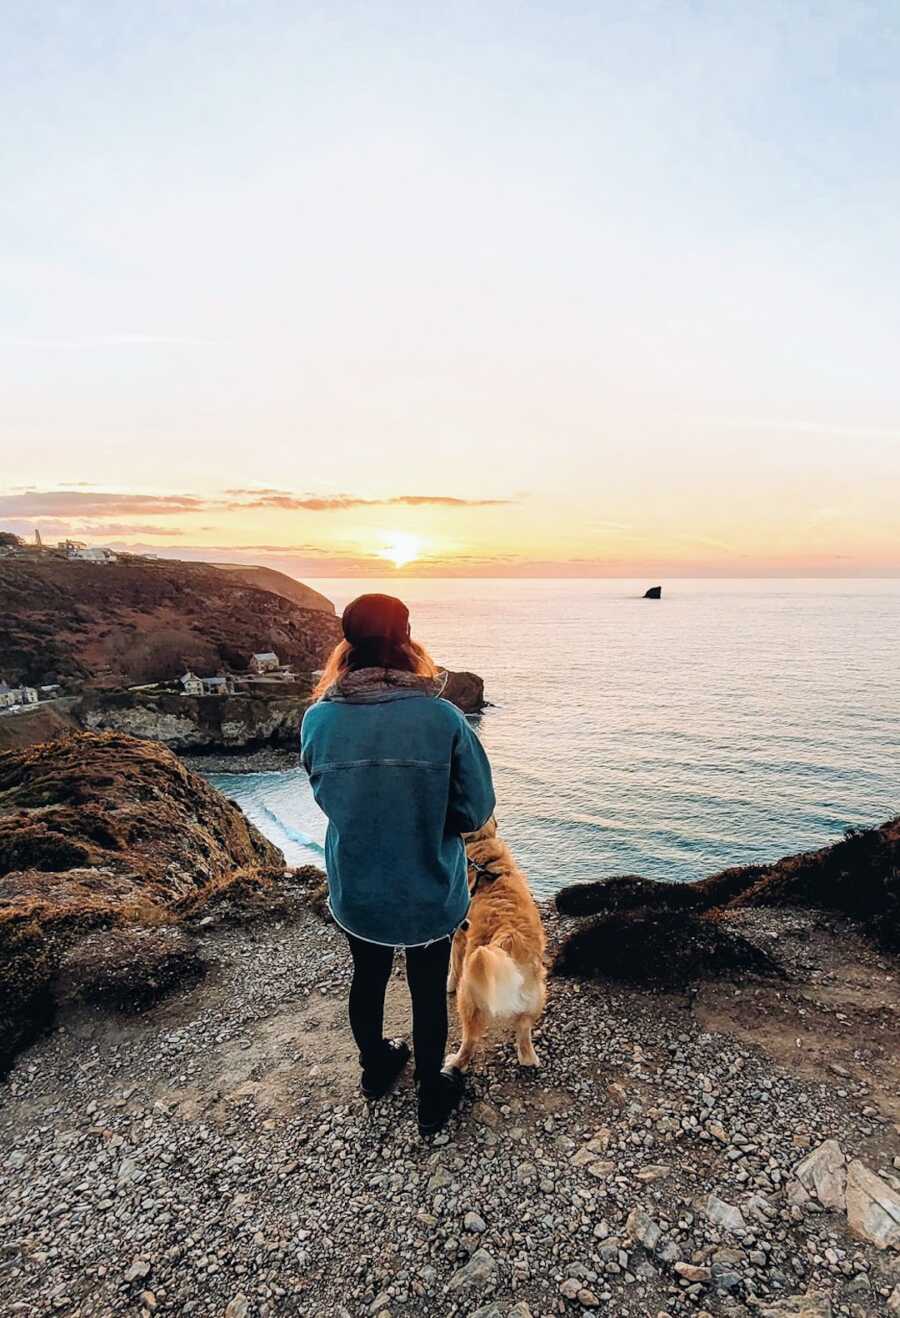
column 654, row 593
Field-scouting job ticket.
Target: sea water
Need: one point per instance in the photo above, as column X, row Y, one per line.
column 729, row 722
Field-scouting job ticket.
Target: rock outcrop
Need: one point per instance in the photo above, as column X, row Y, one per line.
column 667, row 949
column 200, row 723
column 125, row 808
column 654, row 593
column 858, row 876
column 99, row 831
column 466, row 690
column 231, row 723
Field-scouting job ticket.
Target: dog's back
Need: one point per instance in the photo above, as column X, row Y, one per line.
column 499, row 962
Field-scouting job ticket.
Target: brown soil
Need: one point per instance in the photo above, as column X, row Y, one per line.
column 837, row 1015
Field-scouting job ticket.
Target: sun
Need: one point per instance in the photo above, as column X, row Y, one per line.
column 400, row 548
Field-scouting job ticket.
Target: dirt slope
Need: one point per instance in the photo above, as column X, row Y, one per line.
column 111, row 625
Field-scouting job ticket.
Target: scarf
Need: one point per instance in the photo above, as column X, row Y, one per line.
column 364, row 682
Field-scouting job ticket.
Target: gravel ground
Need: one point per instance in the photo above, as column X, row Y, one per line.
column 212, row 1156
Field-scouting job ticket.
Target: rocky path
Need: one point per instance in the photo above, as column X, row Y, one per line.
column 213, row 1157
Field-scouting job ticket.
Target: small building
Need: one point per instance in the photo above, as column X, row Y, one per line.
column 11, row 696
column 220, row 685
column 267, row 662
column 93, row 554
column 192, row 685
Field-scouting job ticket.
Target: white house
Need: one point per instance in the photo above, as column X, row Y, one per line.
column 17, row 695
column 267, row 662
column 217, row 686
column 193, row 685
column 93, row 554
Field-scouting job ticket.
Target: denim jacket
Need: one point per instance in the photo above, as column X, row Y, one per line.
column 400, row 775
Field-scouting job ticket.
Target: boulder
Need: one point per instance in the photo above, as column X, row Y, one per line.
column 641, row 1227
column 724, row 1215
column 466, row 691
column 654, row 593
column 478, row 1274
column 873, row 1208
column 823, row 1172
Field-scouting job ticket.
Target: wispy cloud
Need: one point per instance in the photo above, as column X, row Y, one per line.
column 336, row 503
column 103, row 503
column 94, row 503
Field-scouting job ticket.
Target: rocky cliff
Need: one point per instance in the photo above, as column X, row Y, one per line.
column 141, row 620
column 198, row 723
column 240, row 722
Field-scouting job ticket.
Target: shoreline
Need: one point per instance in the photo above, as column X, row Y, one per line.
column 265, row 759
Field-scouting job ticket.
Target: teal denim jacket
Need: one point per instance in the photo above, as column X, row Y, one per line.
column 400, row 775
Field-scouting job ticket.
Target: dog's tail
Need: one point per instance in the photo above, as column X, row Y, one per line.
column 495, row 983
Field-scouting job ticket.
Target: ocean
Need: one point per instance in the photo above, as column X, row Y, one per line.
column 732, row 721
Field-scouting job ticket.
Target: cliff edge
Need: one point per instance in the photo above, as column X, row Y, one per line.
column 98, row 831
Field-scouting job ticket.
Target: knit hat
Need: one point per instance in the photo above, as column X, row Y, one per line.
column 375, row 616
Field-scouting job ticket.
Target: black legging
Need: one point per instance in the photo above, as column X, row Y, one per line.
column 426, row 974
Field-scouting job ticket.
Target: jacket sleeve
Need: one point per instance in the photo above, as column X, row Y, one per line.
column 306, row 727
column 472, row 797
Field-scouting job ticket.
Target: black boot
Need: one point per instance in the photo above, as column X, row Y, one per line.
column 438, row 1098
column 380, row 1077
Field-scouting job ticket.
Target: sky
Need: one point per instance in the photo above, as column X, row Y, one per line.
column 511, row 289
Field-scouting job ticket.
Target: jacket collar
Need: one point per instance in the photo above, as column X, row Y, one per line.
column 366, row 686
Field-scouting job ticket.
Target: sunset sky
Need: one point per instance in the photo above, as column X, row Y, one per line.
column 526, row 289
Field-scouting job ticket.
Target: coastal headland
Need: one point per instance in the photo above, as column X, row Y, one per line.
column 205, row 658
column 182, row 1130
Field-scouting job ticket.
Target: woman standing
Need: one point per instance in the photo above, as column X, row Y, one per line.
column 400, row 775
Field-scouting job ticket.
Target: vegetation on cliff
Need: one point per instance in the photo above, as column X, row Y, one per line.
column 143, row 620
column 100, row 831
column 657, row 932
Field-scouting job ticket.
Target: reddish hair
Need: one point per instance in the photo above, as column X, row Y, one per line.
column 407, row 655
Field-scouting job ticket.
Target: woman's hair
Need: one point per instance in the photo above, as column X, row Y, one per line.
column 375, row 652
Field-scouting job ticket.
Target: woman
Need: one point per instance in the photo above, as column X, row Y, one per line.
column 400, row 775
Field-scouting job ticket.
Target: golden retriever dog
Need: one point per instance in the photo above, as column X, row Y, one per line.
column 497, row 961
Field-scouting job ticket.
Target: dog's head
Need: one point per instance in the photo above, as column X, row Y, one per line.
column 486, row 851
